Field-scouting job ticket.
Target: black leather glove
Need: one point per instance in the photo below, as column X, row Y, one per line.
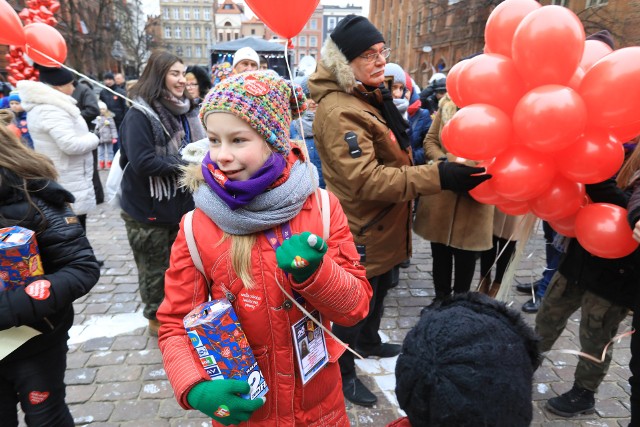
column 460, row 178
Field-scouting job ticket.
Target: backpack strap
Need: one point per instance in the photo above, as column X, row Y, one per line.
column 191, row 244
column 325, row 209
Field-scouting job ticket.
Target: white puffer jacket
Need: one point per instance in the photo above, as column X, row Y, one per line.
column 59, row 131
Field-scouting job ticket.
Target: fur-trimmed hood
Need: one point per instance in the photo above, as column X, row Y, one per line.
column 33, row 94
column 333, row 73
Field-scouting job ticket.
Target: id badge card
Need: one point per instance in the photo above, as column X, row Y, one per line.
column 310, row 345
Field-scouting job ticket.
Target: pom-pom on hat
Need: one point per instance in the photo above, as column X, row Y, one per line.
column 263, row 99
column 245, row 53
column 55, row 76
column 469, row 361
column 354, row 35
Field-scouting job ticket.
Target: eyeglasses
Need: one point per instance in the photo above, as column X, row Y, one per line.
column 191, row 84
column 370, row 57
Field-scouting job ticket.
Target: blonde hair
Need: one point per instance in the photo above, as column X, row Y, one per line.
column 628, row 171
column 20, row 159
column 241, row 247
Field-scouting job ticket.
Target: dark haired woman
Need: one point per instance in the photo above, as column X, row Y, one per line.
column 161, row 122
column 33, row 374
column 198, row 82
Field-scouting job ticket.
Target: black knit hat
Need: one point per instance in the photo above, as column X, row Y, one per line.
column 355, row 34
column 468, row 362
column 604, row 36
column 55, row 76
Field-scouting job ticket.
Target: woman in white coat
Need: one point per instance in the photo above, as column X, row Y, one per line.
column 59, row 131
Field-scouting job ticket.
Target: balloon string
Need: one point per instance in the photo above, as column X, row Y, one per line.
column 604, row 351
column 78, row 73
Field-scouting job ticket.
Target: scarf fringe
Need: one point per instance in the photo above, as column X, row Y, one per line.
column 164, row 187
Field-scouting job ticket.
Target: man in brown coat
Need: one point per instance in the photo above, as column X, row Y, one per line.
column 365, row 150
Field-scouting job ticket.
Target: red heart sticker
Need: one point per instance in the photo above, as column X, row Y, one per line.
column 36, row 397
column 256, row 87
column 39, row 289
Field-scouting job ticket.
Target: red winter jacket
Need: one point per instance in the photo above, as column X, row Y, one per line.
column 339, row 290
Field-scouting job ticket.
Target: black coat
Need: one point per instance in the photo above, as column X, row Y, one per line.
column 69, row 263
column 87, row 103
column 616, row 280
column 116, row 104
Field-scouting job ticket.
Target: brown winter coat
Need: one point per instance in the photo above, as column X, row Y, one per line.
column 375, row 186
column 453, row 219
column 507, row 226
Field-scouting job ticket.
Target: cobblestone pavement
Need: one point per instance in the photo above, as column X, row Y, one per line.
column 115, row 375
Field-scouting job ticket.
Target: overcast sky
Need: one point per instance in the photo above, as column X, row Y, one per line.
column 152, row 7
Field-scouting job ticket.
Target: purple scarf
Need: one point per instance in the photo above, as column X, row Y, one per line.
column 237, row 194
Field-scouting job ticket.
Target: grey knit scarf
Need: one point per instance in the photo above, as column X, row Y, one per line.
column 269, row 209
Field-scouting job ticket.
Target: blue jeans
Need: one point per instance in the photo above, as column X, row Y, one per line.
column 552, row 256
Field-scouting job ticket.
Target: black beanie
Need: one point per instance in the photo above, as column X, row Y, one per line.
column 469, row 361
column 355, row 34
column 604, row 36
column 55, row 76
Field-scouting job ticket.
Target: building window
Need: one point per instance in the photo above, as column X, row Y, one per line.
column 430, row 21
column 219, row 36
column 198, row 52
column 236, row 35
column 228, row 37
column 207, row 33
column 398, row 31
column 408, row 33
column 331, row 23
column 178, row 33
column 313, row 24
column 196, row 13
column 176, row 13
column 165, row 13
column 207, row 14
column 595, row 3
column 198, row 34
column 302, row 40
column 253, row 31
column 187, row 33
column 562, row 3
column 186, row 13
column 189, row 53
column 227, row 7
column 419, row 24
column 313, row 41
column 167, row 32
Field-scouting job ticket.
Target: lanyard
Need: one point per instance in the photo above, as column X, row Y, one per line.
column 187, row 130
column 275, row 244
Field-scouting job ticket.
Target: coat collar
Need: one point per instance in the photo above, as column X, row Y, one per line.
column 33, row 94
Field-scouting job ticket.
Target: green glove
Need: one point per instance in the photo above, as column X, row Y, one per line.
column 219, row 400
column 301, row 255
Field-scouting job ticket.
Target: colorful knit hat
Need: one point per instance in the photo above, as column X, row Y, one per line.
column 263, row 99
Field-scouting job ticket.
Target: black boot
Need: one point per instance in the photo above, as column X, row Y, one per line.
column 356, row 392
column 576, row 401
column 532, row 306
column 383, row 350
column 525, row 288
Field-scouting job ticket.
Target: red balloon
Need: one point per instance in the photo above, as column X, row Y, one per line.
column 610, row 89
column 452, row 81
column 511, row 207
column 626, row 133
column 12, row 30
column 43, row 39
column 576, row 79
column 602, row 229
column 478, row 132
column 285, row 17
column 490, row 79
column 565, row 226
column 502, row 24
column 485, row 193
column 549, row 118
column 563, row 198
column 594, row 157
column 548, row 45
column 594, row 50
column 520, row 173
column 54, row 7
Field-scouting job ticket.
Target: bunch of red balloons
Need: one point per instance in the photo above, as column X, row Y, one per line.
column 546, row 112
column 37, row 39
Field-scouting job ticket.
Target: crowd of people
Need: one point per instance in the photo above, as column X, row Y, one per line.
column 296, row 201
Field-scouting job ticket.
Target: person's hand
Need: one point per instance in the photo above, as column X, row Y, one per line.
column 460, row 178
column 636, row 232
column 301, row 255
column 114, row 141
column 220, row 400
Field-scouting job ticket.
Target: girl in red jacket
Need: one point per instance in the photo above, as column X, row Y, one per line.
column 257, row 226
